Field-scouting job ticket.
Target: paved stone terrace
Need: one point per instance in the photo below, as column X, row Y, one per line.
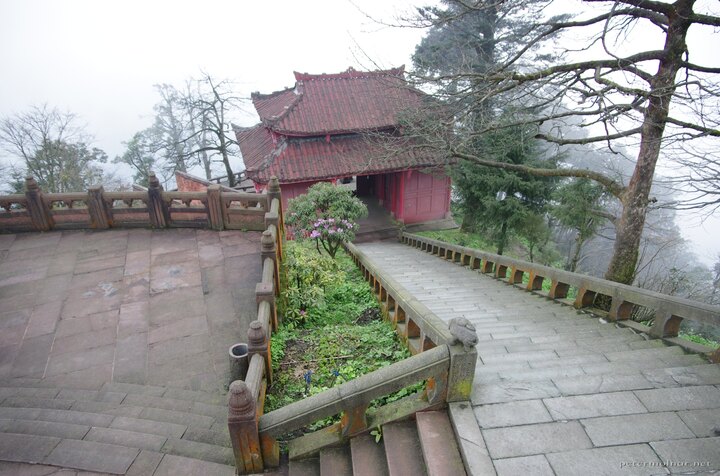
column 113, row 349
column 561, row 392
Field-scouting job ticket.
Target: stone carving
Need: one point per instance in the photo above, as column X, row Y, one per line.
column 463, row 332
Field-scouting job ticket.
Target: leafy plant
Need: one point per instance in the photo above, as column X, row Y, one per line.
column 377, row 433
column 326, row 214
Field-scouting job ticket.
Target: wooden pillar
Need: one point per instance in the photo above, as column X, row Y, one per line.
column 98, row 209
column 39, row 211
column 243, row 428
column 158, row 209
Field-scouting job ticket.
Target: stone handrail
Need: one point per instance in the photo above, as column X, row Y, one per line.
column 417, row 325
column 246, row 398
column 446, row 368
column 214, row 208
column 669, row 310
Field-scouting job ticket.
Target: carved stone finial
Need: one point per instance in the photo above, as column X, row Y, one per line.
column 30, row 184
column 256, row 336
column 274, row 185
column 266, row 241
column 463, row 332
column 240, row 401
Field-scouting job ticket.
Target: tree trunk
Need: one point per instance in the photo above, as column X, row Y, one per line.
column 502, row 239
column 623, row 263
column 576, row 255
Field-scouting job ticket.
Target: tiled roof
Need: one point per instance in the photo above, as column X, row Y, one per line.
column 309, row 159
column 350, row 101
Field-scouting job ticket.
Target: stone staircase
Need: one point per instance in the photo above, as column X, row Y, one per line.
column 118, row 429
column 424, row 446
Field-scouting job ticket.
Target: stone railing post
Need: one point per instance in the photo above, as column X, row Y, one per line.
column 463, row 358
column 274, row 192
column 215, row 208
column 265, row 292
column 98, row 209
column 258, row 343
column 243, row 428
column 269, row 250
column 39, row 211
column 158, row 209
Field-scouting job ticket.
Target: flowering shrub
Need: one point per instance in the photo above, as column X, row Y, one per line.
column 327, row 215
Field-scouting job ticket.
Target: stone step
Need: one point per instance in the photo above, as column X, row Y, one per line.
column 403, row 450
column 437, row 439
column 368, row 456
column 336, row 461
column 304, row 467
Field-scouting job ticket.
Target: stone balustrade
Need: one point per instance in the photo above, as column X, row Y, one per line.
column 446, row 369
column 669, row 311
column 215, row 208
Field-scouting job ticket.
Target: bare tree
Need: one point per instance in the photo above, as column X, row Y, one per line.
column 52, row 147
column 653, row 100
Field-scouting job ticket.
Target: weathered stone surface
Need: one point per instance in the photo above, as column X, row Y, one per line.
column 628, row 429
column 172, row 465
column 535, row 439
column 707, row 374
column 512, row 413
column 601, row 384
column 44, row 428
column 702, row 422
column 84, row 455
column 632, row 459
column 686, row 398
column 690, row 455
column 145, row 463
column 512, row 391
column 132, row 439
column 148, row 426
column 588, row 406
column 470, row 439
column 26, row 448
column 535, row 465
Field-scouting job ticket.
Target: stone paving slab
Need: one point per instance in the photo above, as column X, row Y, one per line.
column 615, row 395
column 628, row 429
column 92, row 456
column 690, row 455
column 617, row 460
column 172, row 465
column 26, row 448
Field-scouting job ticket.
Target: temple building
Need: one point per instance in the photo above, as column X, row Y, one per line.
column 345, row 128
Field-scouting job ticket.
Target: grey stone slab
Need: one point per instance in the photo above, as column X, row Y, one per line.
column 172, row 465
column 148, row 426
column 569, row 361
column 601, row 384
column 520, row 357
column 170, row 350
column 26, row 448
column 530, row 465
column 44, row 428
column 180, row 328
column 182, row 418
column 131, row 359
column 683, row 456
column 39, row 392
column 107, row 408
column 529, row 440
column 201, row 451
column 131, row 439
column 84, row 455
column 630, row 460
column 702, row 422
column 134, row 388
column 91, row 395
column 70, row 416
column 588, row 406
column 145, row 464
column 32, row 357
column 90, row 378
column 37, row 402
column 512, row 391
column 158, row 402
column 43, row 319
column 134, row 318
column 200, row 397
column 707, row 374
column 80, row 360
column 512, row 413
column 640, row 428
column 84, row 341
column 685, row 398
column 94, row 322
column 541, row 374
column 469, row 438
